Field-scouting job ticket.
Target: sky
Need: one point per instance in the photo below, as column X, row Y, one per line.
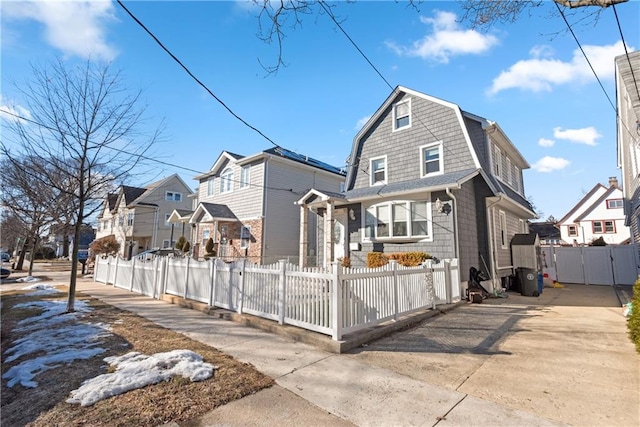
column 54, row 337
column 530, row 77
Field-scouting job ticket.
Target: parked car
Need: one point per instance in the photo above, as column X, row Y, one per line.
column 4, row 273
column 5, row 257
column 152, row 253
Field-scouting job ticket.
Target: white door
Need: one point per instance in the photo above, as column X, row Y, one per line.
column 339, row 234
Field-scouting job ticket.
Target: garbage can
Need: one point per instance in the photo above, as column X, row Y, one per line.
column 528, row 279
column 540, row 283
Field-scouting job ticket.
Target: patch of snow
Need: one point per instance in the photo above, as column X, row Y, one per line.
column 41, row 289
column 135, row 370
column 28, row 279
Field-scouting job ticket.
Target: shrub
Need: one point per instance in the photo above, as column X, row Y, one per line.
column 407, row 259
column 598, row 242
column 180, row 243
column 209, row 250
column 345, row 261
column 376, row 259
column 44, row 252
column 106, row 245
column 633, row 322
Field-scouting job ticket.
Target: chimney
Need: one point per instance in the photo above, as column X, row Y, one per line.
column 613, row 181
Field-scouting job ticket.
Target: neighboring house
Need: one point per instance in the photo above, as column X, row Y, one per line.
column 139, row 217
column 426, row 176
column 628, row 130
column 548, row 232
column 599, row 213
column 246, row 204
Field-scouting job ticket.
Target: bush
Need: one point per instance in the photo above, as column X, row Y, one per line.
column 186, row 247
column 598, row 242
column 44, row 252
column 106, row 245
column 633, row 322
column 180, row 243
column 407, row 259
column 345, row 261
column 209, row 251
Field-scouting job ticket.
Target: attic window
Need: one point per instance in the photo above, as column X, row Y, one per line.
column 614, row 204
column 402, row 115
column 173, row 196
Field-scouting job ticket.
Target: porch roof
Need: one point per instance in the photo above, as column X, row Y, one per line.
column 212, row 212
column 314, row 196
column 180, row 215
column 435, row 183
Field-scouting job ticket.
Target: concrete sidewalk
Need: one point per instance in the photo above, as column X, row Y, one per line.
column 314, row 387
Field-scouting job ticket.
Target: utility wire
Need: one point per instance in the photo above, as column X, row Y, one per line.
column 140, row 156
column 633, row 75
column 194, row 77
column 585, row 55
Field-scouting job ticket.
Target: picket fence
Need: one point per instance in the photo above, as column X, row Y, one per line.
column 334, row 301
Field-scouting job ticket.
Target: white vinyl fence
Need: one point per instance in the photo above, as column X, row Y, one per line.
column 333, row 302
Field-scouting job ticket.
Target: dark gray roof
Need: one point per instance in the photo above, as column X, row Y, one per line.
column 132, row 193
column 545, row 230
column 184, row 212
column 218, row 211
column 438, row 181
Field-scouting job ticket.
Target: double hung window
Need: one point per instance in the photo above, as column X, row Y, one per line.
column 226, row 181
column 402, row 115
column 431, row 159
column 378, row 170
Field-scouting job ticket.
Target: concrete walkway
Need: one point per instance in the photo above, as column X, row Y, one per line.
column 315, row 387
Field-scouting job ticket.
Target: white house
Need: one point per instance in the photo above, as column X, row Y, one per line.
column 600, row 213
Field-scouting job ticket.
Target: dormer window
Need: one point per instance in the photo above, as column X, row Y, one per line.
column 378, row 170
column 402, row 115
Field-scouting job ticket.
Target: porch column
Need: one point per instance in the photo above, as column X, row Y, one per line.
column 304, row 228
column 329, row 227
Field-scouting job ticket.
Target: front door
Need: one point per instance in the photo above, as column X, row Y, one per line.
column 339, row 234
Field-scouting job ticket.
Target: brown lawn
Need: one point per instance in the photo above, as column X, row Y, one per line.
column 178, row 400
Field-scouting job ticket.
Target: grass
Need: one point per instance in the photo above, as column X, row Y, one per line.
column 175, row 400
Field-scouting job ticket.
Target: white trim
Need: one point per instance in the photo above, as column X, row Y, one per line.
column 226, row 178
column 389, row 205
column 372, row 180
column 421, row 150
column 394, row 128
column 173, row 196
column 245, row 181
column 502, row 217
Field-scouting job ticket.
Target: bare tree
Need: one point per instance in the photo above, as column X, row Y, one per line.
column 86, row 128
column 29, row 200
column 481, row 13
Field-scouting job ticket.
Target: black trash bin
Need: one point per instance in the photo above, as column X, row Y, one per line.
column 528, row 279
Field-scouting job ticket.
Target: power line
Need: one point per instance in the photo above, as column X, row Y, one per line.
column 194, row 77
column 140, row 156
column 633, row 75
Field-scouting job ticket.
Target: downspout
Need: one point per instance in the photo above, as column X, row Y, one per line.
column 456, row 244
column 263, row 245
column 155, row 228
column 492, row 235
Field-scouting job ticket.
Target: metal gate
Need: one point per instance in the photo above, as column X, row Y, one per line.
column 592, row 265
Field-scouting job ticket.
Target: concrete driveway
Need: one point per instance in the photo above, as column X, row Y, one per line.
column 564, row 356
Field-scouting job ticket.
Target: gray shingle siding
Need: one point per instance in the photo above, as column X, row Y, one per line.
column 431, row 122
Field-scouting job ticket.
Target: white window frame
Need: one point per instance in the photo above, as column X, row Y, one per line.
column 166, row 219
column 226, row 181
column 173, row 196
column 245, row 176
column 372, row 212
column 372, row 180
column 615, row 204
column 423, row 148
column 245, row 236
column 130, row 218
column 166, row 243
column 211, row 186
column 507, row 175
column 206, row 234
column 396, row 118
column 503, row 229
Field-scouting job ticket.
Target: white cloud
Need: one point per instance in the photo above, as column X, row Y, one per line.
column 448, row 39
column 550, row 164
column 362, row 122
column 9, row 112
column 544, row 142
column 74, row 27
column 542, row 73
column 585, row 136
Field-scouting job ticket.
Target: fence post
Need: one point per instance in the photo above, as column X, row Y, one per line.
column 115, row 273
column 133, row 270
column 163, row 277
column 241, row 285
column 213, row 271
column 336, row 302
column 282, row 291
column 156, row 265
column 447, row 279
column 186, row 277
column 393, row 265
